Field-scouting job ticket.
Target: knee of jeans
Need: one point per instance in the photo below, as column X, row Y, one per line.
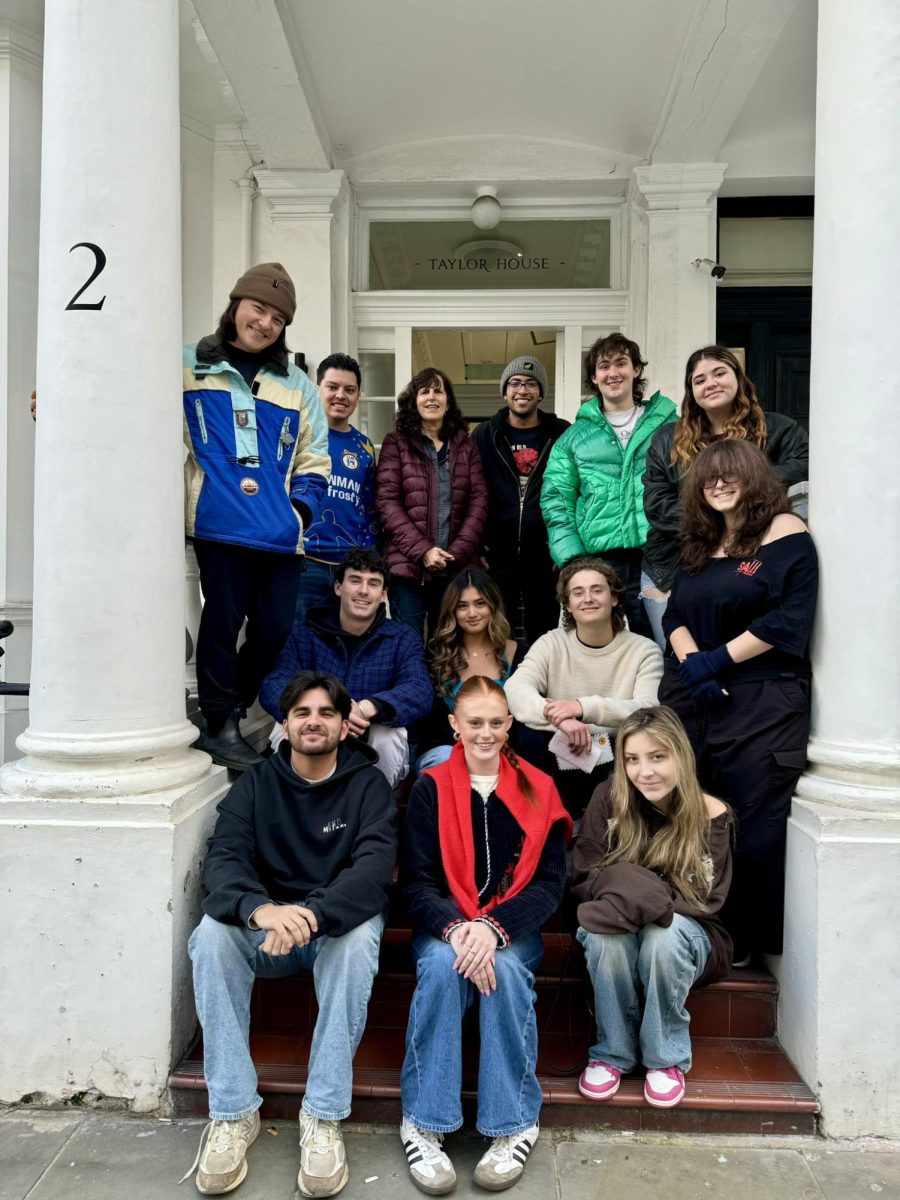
column 436, row 960
column 610, row 948
column 509, row 969
column 211, row 936
column 362, row 942
column 660, row 946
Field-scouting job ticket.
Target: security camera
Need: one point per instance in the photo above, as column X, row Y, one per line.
column 709, row 267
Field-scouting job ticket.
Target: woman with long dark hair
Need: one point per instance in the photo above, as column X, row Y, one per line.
column 652, row 868
column 738, row 672
column 431, row 497
column 719, row 402
column 482, row 868
column 472, row 637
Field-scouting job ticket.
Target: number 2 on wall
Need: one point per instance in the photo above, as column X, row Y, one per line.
column 99, row 264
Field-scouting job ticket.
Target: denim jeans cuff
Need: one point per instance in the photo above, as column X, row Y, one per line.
column 239, row 1114
column 324, row 1114
column 507, row 1131
column 430, row 1127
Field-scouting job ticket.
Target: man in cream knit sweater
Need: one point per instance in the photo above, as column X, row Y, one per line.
column 583, row 678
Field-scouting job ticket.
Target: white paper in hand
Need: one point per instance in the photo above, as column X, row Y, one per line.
column 600, row 751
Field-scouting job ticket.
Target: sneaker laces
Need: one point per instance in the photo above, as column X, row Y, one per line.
column 222, row 1135
column 428, row 1143
column 501, row 1148
column 320, row 1136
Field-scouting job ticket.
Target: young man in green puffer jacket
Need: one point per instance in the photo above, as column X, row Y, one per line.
column 593, row 496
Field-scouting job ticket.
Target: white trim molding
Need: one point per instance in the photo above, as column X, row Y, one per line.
column 20, row 43
column 681, row 186
column 490, row 309
column 296, row 195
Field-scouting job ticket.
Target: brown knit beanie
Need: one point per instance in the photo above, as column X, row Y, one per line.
column 269, row 283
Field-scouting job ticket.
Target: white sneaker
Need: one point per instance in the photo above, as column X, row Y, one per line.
column 429, row 1167
column 221, row 1162
column 503, row 1163
column 323, row 1160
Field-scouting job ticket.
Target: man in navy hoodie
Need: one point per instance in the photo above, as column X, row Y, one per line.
column 296, row 879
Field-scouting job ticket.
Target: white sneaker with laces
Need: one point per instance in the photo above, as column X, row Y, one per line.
column 503, row 1163
column 429, row 1167
column 323, row 1160
column 221, row 1162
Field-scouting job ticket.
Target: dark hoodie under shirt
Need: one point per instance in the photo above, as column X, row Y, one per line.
column 330, row 846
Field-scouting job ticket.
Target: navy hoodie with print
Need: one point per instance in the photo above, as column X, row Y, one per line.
column 329, row 846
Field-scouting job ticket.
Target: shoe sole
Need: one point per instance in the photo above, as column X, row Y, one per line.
column 493, row 1184
column 433, row 1189
column 593, row 1095
column 206, row 1191
column 654, row 1103
column 332, row 1189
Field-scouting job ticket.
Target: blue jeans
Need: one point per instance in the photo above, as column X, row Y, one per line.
column 509, row 1095
column 227, row 960
column 316, row 586
column 665, row 963
column 433, row 758
column 654, row 609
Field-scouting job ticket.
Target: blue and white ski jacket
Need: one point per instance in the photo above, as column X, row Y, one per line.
column 253, row 453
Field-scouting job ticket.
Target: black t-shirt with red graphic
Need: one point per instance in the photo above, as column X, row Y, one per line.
column 526, row 446
column 771, row 593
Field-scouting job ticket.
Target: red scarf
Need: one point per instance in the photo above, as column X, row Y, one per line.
column 534, row 818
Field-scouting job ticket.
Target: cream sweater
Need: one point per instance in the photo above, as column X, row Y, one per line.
column 610, row 681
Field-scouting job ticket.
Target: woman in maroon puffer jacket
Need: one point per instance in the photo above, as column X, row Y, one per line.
column 431, row 498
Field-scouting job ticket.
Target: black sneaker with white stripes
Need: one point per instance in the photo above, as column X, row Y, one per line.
column 429, row 1167
column 503, row 1163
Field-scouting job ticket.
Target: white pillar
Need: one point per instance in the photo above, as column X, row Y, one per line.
column 20, row 183
column 841, row 968
column 102, row 820
column 301, row 232
column 681, row 302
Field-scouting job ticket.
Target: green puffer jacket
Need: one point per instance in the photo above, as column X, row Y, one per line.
column 593, row 495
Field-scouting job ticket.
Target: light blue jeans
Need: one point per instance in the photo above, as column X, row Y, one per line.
column 665, row 963
column 227, row 960
column 433, row 758
column 655, row 609
column 509, row 1095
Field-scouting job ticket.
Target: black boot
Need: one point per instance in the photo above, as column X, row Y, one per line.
column 227, row 748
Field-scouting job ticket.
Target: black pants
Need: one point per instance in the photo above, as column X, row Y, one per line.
column 575, row 787
column 751, row 750
column 239, row 582
column 529, row 598
column 627, row 565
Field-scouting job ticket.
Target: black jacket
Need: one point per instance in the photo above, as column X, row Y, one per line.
column 787, row 448
column 329, row 846
column 508, row 541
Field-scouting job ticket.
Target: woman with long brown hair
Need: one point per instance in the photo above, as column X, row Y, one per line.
column 652, row 868
column 472, row 637
column 431, row 498
column 482, row 868
column 738, row 671
column 720, row 401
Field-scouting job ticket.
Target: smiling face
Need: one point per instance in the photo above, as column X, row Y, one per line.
column 590, row 600
column 257, row 326
column 339, row 393
column 431, row 401
column 482, row 722
column 715, row 387
column 614, row 377
column 523, row 395
column 360, row 593
column 313, row 726
column 473, row 613
column 723, row 494
column 650, row 768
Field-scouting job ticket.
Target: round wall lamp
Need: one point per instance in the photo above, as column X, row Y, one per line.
column 486, row 209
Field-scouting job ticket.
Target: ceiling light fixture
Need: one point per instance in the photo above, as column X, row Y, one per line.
column 486, row 208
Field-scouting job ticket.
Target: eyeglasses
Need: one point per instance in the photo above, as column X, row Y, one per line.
column 712, row 481
column 524, row 385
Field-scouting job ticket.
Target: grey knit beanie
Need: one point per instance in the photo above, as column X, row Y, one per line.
column 525, row 365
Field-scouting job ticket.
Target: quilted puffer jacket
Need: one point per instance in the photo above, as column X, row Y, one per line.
column 593, row 496
column 406, row 499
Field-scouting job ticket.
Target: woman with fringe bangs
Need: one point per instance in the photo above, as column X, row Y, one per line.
column 472, row 637
column 719, row 402
column 481, row 869
column 737, row 670
column 652, row 870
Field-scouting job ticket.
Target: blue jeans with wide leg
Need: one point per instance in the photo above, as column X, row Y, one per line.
column 665, row 963
column 509, row 1095
column 227, row 960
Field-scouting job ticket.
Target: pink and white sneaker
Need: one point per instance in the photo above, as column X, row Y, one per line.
column 664, row 1087
column 599, row 1081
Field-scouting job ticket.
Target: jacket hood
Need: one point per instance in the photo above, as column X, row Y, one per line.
column 353, row 756
column 549, row 420
column 211, row 351
column 324, row 619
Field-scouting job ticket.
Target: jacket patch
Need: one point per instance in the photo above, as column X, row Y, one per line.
column 243, row 418
column 749, row 567
column 249, row 486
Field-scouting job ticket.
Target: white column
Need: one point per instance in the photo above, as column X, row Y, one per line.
column 300, row 232
column 102, row 820
column 680, row 199
column 841, row 967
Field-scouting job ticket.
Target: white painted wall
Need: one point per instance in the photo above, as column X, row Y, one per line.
column 197, row 155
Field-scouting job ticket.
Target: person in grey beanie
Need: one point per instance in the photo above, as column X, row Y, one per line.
column 514, row 446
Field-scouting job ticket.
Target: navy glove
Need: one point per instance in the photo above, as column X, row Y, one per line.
column 709, row 692
column 703, row 665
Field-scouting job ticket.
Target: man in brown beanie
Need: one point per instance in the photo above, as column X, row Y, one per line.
column 256, row 473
